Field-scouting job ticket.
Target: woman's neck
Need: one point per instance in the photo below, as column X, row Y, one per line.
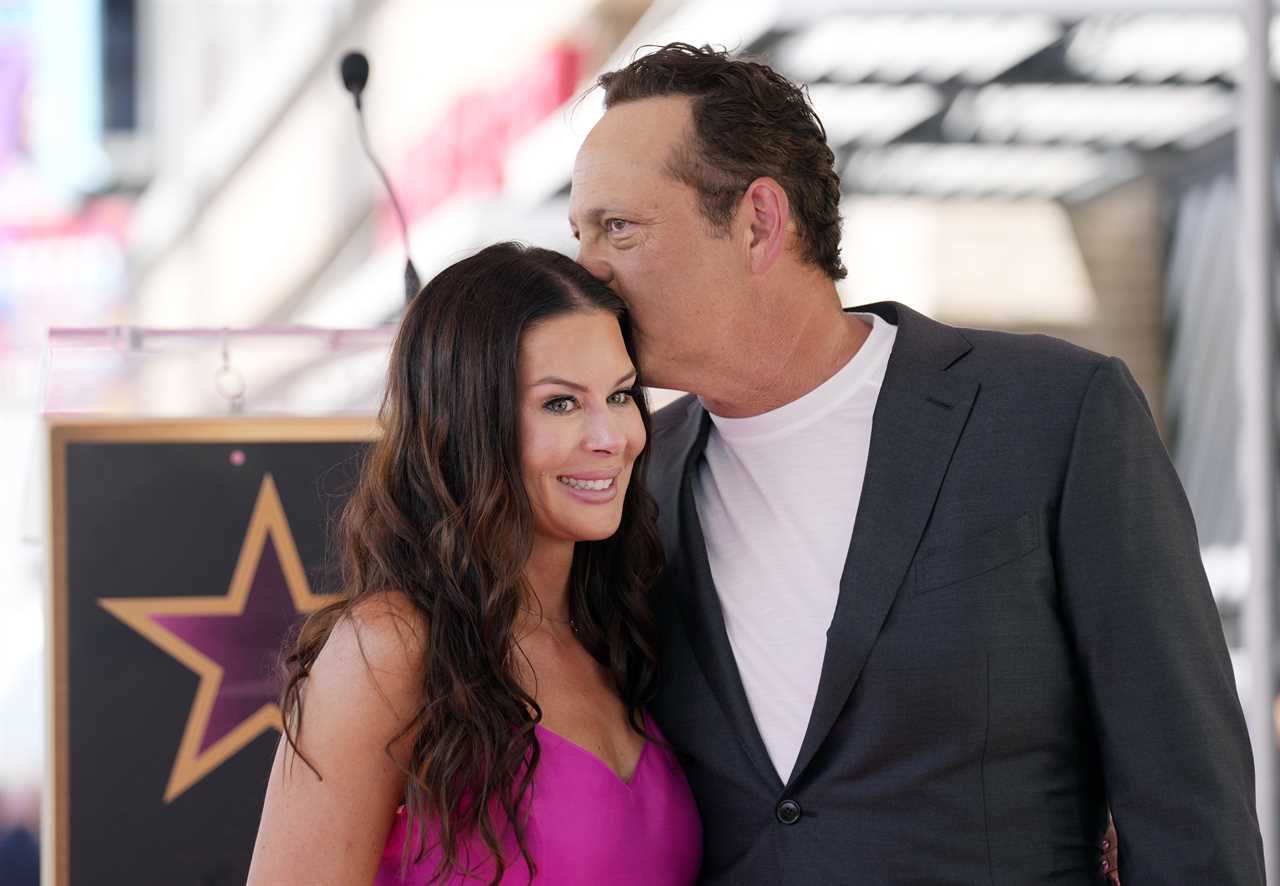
column 547, row 577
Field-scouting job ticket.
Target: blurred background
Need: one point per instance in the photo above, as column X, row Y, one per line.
column 188, row 225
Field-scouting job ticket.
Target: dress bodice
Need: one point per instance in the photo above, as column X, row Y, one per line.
column 585, row 825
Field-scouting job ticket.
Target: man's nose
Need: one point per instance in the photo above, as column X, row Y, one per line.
column 595, row 266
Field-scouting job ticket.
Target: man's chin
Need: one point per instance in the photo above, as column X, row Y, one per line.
column 654, row 370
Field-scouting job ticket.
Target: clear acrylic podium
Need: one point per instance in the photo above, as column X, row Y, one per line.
column 285, row 370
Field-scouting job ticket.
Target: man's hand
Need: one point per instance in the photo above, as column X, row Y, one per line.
column 1110, row 856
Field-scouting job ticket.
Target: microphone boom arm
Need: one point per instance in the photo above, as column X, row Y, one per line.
column 354, row 70
column 412, row 283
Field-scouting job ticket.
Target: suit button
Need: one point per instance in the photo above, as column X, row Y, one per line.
column 788, row 812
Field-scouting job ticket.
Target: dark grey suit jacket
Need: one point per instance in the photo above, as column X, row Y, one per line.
column 1024, row 635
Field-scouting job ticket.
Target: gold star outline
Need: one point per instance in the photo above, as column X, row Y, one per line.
column 268, row 521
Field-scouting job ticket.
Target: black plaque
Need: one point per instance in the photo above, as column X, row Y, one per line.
column 184, row 553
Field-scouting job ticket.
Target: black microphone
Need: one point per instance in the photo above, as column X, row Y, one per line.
column 355, row 74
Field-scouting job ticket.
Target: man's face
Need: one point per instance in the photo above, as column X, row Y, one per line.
column 642, row 232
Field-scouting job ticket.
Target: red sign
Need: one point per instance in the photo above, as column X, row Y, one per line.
column 465, row 151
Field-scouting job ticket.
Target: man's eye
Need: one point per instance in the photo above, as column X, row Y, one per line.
column 559, row 405
column 616, row 225
column 621, row 398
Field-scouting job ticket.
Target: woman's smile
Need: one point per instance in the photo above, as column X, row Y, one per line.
column 592, row 487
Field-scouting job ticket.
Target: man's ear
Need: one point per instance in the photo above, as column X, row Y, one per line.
column 770, row 217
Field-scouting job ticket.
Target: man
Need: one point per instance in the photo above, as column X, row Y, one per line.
column 933, row 600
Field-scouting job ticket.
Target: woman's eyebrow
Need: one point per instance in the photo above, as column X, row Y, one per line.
column 554, row 380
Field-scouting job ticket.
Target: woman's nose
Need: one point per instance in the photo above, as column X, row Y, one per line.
column 605, row 434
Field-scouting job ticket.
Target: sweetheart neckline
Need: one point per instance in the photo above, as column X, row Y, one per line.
column 627, row 782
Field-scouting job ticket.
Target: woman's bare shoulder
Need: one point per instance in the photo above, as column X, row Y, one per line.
column 378, row 643
column 327, row 822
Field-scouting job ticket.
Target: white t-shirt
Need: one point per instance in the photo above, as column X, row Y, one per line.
column 777, row 495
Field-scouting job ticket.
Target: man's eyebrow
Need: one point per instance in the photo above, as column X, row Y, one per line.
column 590, row 215
column 553, row 380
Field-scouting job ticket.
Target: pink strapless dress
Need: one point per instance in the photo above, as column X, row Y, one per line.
column 586, row 826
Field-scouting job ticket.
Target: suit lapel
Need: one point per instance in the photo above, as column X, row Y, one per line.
column 918, row 420
column 704, row 621
column 687, row 578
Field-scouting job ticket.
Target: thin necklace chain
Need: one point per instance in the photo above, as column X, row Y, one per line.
column 569, row 623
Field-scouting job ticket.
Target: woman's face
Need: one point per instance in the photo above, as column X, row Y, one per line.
column 580, row 427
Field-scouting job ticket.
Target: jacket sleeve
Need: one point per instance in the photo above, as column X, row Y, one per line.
column 1176, row 759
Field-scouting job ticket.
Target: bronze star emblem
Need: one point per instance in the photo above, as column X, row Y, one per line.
column 232, row 642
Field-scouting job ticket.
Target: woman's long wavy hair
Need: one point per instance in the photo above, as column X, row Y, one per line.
column 440, row 514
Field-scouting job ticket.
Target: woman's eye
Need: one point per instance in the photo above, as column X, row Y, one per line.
column 560, row 405
column 621, row 398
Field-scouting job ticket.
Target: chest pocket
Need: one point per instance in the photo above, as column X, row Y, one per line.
column 971, row 557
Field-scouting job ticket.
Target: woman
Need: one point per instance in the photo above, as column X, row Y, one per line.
column 471, row 710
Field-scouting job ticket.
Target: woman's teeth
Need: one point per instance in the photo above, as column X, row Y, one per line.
column 596, row 485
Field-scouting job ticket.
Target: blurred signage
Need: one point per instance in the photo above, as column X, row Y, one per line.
column 15, row 74
column 464, row 152
column 62, row 259
column 68, row 270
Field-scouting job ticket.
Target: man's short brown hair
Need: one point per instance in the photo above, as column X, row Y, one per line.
column 748, row 121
